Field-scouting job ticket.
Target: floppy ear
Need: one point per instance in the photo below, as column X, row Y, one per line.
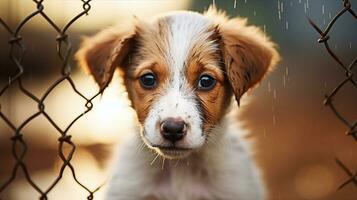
column 105, row 51
column 248, row 53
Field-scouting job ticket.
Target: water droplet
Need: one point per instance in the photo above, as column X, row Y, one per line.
column 282, row 7
column 287, row 25
column 254, row 13
column 323, row 9
column 279, row 15
column 235, row 4
column 278, row 5
column 274, row 94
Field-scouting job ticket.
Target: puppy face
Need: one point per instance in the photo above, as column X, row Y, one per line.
column 180, row 71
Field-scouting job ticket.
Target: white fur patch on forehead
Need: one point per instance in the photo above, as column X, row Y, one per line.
column 169, row 39
column 187, row 29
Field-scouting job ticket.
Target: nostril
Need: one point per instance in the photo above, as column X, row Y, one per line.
column 173, row 126
column 173, row 129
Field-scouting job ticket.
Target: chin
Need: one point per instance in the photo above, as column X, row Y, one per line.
column 173, row 153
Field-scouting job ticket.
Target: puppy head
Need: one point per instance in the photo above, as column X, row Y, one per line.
column 180, row 71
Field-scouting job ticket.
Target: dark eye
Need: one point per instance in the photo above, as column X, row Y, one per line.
column 206, row 82
column 148, row 80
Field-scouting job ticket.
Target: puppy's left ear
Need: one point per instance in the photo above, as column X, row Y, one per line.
column 248, row 54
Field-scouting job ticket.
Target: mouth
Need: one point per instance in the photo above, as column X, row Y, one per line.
column 172, row 152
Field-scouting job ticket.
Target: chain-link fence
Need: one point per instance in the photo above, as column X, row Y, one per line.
column 64, row 53
column 347, row 69
column 17, row 51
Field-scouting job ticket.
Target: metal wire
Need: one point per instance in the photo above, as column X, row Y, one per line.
column 329, row 98
column 19, row 146
column 64, row 52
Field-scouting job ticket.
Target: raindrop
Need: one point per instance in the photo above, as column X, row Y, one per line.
column 300, row 1
column 245, row 1
column 305, row 7
column 284, row 81
column 278, row 5
column 254, row 13
column 279, row 15
column 269, row 86
column 350, row 45
column 291, row 4
column 307, row 4
column 274, row 93
column 235, row 4
column 282, row 7
column 323, row 9
column 329, row 15
column 287, row 25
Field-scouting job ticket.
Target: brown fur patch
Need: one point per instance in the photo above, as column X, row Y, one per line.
column 102, row 53
column 207, row 61
column 248, row 52
column 141, row 98
column 151, row 57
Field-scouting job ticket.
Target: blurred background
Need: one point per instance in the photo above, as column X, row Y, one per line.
column 296, row 135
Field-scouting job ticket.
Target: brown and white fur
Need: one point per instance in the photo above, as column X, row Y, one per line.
column 210, row 162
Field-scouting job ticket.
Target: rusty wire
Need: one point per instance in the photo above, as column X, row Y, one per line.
column 19, row 146
column 347, row 68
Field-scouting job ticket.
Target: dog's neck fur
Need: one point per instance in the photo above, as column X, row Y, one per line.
column 220, row 170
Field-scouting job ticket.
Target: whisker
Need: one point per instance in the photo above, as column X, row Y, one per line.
column 163, row 163
column 152, row 162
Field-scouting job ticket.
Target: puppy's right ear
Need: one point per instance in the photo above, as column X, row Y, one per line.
column 102, row 53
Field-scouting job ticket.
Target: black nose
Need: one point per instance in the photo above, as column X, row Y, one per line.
column 173, row 129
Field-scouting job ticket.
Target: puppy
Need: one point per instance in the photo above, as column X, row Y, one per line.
column 181, row 71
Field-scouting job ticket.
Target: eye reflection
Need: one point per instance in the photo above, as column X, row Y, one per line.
column 148, row 80
column 206, row 82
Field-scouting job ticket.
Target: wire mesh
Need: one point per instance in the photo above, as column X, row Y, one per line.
column 64, row 53
column 347, row 69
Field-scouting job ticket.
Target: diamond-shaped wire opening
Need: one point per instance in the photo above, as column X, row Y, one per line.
column 71, row 101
